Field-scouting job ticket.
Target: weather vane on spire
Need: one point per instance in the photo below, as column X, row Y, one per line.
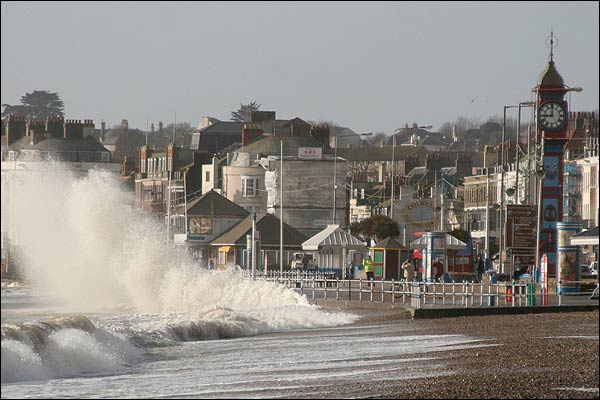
column 550, row 43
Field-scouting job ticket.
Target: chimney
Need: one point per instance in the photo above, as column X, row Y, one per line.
column 35, row 125
column 143, row 158
column 381, row 173
column 124, row 124
column 15, row 128
column 55, row 126
column 487, row 149
column 464, row 166
column 102, row 129
column 35, row 136
column 88, row 128
column 250, row 134
column 128, row 166
column 73, row 129
column 262, row 116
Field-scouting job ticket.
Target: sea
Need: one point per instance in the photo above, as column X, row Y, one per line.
column 108, row 309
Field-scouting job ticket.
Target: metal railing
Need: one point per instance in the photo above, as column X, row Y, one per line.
column 328, row 286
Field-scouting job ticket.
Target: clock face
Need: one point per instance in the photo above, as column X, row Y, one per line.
column 552, row 116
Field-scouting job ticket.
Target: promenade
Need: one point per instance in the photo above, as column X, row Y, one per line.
column 437, row 300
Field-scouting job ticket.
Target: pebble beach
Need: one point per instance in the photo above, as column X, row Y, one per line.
column 541, row 356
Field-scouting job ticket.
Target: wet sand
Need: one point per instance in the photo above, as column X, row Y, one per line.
column 551, row 355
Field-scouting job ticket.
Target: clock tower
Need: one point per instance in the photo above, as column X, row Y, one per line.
column 552, row 130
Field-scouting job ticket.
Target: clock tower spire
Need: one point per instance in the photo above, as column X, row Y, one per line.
column 552, row 126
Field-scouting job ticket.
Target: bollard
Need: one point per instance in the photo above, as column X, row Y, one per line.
column 544, row 296
column 530, row 294
column 360, row 289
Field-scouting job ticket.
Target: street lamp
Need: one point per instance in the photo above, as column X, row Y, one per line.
column 522, row 104
column 540, row 175
column 335, row 168
column 414, row 128
column 502, row 244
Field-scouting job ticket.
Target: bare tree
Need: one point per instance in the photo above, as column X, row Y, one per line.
column 376, row 138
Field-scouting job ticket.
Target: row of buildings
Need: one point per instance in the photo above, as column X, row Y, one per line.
column 296, row 180
column 210, row 188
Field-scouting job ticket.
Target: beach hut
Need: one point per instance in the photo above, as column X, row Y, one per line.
column 335, row 249
column 388, row 256
column 436, row 245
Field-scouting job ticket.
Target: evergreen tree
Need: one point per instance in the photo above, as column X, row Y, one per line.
column 39, row 104
column 377, row 226
column 244, row 113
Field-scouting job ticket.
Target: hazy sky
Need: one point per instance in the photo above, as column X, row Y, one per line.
column 370, row 66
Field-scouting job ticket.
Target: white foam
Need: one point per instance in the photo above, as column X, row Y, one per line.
column 104, row 255
column 65, row 353
column 20, row 362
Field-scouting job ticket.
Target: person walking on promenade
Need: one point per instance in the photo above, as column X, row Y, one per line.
column 369, row 269
column 488, row 265
column 479, row 268
column 409, row 270
column 438, row 269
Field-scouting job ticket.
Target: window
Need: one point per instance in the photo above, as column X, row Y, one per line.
column 207, row 178
column 200, row 225
column 250, row 186
column 222, row 258
column 158, row 192
column 148, row 193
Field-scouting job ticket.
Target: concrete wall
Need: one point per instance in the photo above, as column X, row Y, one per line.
column 307, row 192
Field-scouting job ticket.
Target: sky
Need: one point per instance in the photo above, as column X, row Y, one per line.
column 369, row 66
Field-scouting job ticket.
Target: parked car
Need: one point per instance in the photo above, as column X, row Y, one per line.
column 304, row 262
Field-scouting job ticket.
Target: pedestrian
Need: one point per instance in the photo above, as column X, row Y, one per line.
column 488, row 264
column 438, row 269
column 480, row 268
column 409, row 270
column 369, row 268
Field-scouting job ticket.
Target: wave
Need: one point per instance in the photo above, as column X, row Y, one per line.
column 62, row 347
column 105, row 257
column 228, row 323
column 73, row 346
column 222, row 323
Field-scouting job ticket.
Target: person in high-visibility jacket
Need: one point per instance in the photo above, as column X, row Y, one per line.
column 369, row 268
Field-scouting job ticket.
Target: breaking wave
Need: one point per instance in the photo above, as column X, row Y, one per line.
column 87, row 249
column 62, row 347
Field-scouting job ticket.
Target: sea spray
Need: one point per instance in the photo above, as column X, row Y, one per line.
column 84, row 243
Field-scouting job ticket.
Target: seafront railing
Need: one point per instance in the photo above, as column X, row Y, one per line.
column 328, row 286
